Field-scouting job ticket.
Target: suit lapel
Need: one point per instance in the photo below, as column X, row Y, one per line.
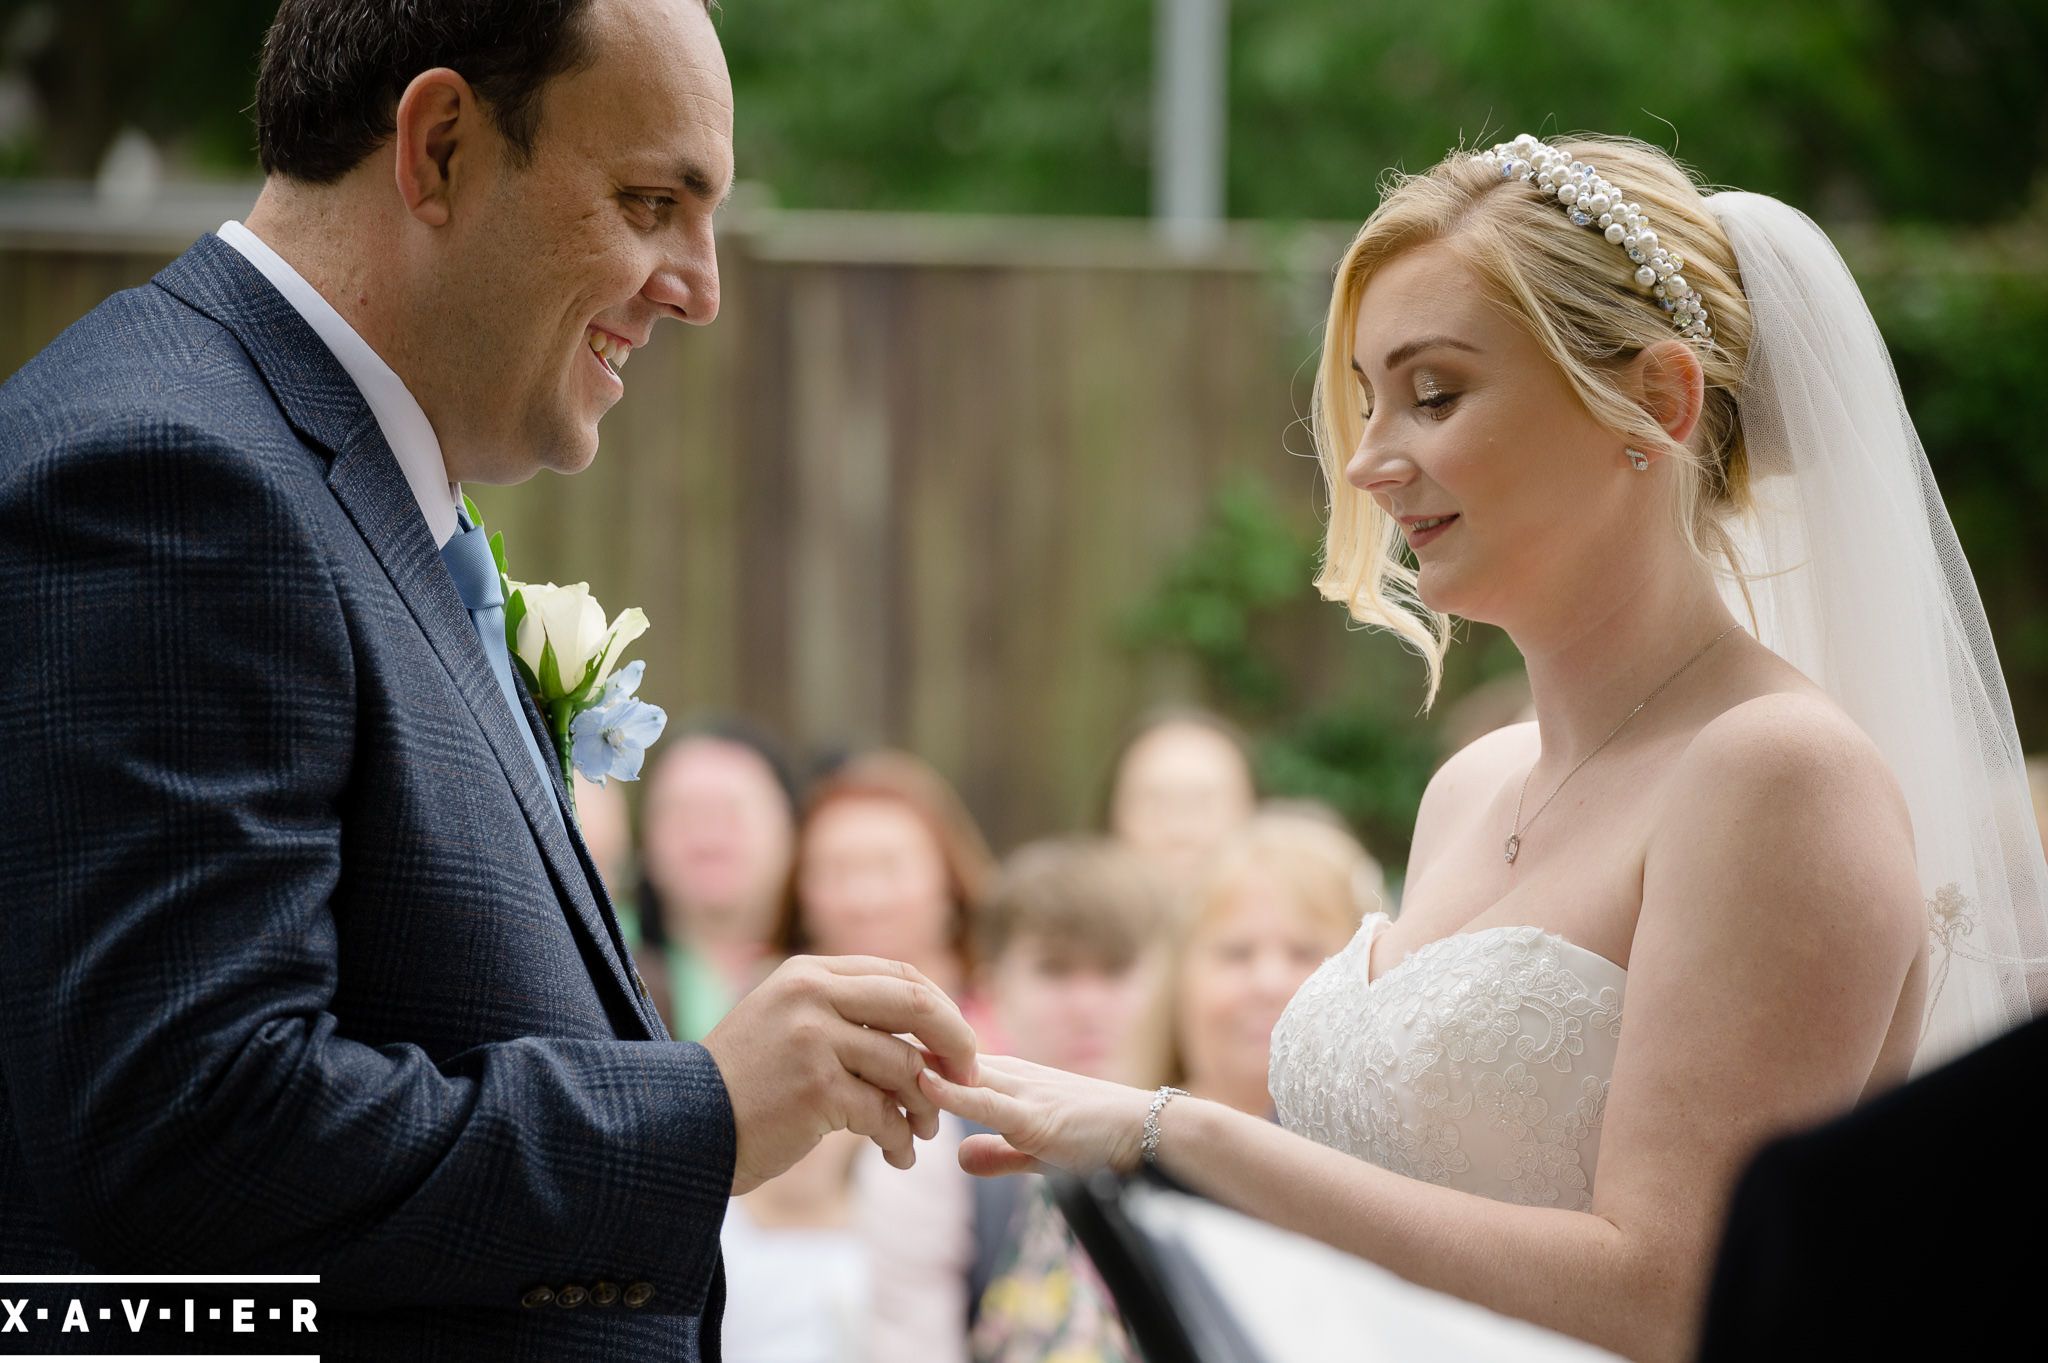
column 324, row 406
column 643, row 1002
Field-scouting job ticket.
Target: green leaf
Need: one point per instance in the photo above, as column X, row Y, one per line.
column 550, row 672
column 584, row 688
column 476, row 518
column 515, row 611
column 498, row 552
column 532, row 682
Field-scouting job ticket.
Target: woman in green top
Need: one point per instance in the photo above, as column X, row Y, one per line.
column 718, row 826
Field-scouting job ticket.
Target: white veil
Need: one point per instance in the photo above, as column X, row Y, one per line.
column 1868, row 594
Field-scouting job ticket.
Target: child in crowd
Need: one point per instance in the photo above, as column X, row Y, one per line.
column 1067, row 965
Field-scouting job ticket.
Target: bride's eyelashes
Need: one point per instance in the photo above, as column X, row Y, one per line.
column 1438, row 404
column 1432, row 400
column 1432, row 396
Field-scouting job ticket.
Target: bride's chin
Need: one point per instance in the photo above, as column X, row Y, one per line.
column 1445, row 597
column 1434, row 592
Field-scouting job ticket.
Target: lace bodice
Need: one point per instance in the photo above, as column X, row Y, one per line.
column 1480, row 1061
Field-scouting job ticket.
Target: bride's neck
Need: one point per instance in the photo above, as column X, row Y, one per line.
column 1590, row 664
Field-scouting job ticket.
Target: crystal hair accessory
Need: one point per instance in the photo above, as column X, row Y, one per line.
column 1594, row 204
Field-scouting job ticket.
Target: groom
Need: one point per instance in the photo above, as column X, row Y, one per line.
column 304, row 966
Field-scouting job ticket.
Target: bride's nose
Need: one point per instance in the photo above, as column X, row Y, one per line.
column 1378, row 465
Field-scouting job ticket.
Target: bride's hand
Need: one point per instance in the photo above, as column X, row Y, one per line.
column 1045, row 1117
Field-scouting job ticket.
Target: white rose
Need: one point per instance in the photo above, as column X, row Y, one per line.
column 568, row 623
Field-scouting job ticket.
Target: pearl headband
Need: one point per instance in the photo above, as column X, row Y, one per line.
column 1593, row 203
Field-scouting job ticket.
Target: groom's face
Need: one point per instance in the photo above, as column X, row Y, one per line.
column 561, row 267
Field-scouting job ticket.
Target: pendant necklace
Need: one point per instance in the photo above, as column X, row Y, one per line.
column 1514, row 843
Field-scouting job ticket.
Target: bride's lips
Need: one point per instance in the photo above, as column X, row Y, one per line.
column 1418, row 538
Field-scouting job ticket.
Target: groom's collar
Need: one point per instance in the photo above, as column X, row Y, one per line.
column 405, row 426
column 288, row 329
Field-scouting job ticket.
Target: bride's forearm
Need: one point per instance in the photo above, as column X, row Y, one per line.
column 1575, row 1272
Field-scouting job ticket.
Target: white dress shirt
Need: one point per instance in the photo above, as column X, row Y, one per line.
column 406, row 428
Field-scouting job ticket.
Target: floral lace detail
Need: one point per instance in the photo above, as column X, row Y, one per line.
column 1480, row 1062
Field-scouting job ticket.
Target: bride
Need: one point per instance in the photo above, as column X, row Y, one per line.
column 1764, row 850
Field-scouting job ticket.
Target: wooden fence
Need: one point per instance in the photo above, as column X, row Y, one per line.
column 907, row 487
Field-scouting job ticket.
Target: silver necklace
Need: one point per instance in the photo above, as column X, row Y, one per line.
column 1514, row 843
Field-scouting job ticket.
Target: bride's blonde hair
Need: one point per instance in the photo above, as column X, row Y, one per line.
column 1574, row 292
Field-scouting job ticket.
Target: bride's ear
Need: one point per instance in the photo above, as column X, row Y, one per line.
column 1671, row 385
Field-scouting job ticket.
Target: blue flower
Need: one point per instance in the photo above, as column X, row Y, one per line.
column 611, row 739
column 622, row 683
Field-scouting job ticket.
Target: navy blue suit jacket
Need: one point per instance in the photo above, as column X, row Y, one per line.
column 299, row 973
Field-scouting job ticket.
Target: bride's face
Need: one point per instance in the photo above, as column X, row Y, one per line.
column 1466, row 417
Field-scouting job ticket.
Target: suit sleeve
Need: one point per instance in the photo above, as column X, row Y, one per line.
column 173, row 759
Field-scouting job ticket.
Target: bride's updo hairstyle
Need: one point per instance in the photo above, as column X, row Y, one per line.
column 1575, row 293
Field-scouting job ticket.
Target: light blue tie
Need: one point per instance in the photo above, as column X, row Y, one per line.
column 468, row 556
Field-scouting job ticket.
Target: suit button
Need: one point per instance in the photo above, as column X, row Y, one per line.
column 638, row 1294
column 571, row 1296
column 537, row 1296
column 604, row 1294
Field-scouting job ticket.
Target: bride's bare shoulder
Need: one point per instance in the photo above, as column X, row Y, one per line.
column 1794, row 737
column 1465, row 782
column 1784, row 791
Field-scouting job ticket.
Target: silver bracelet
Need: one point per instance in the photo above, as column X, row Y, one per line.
column 1149, row 1143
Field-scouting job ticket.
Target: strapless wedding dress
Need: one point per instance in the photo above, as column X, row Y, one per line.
column 1480, row 1061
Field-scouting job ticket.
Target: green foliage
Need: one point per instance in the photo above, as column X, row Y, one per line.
column 1247, row 560
column 931, row 104
column 1894, row 109
column 1370, row 765
column 1966, row 318
column 184, row 74
column 1242, row 581
column 938, row 105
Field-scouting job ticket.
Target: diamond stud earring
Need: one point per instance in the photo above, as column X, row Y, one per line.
column 1639, row 459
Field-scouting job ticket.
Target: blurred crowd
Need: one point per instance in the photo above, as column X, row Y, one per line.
column 1159, row 947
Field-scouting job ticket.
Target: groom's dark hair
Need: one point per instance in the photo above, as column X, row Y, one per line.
column 332, row 71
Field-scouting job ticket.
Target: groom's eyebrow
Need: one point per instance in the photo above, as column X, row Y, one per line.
column 702, row 187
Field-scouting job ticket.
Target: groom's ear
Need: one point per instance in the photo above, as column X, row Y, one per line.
column 1672, row 386
column 438, row 124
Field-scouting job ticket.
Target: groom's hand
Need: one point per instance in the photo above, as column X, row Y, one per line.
column 814, row 1048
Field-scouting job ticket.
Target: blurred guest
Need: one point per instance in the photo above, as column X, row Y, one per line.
column 798, row 1274
column 718, row 833
column 1279, row 897
column 1181, row 781
column 890, row 863
column 606, row 823
column 1065, row 942
column 1370, row 878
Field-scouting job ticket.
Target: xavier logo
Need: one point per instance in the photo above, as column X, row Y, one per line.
column 242, row 1316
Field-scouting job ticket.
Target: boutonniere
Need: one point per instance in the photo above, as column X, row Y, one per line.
column 568, row 656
